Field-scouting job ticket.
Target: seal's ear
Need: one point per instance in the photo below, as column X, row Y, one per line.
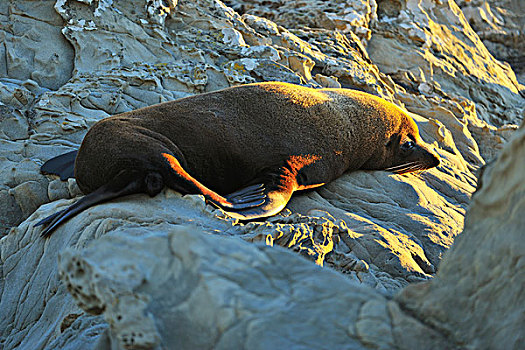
column 393, row 140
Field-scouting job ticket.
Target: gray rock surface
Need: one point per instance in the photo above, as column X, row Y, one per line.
column 500, row 25
column 483, row 274
column 178, row 287
column 198, row 291
column 67, row 64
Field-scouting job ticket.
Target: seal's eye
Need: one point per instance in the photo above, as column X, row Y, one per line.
column 408, row 145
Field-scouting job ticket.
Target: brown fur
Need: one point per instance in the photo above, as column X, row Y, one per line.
column 227, row 138
column 264, row 141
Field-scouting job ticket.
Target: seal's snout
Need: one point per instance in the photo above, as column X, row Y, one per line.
column 435, row 160
column 431, row 159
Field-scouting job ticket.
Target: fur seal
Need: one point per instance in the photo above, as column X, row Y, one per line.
column 245, row 148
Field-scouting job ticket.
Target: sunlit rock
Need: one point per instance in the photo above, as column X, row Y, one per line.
column 349, row 16
column 433, row 42
column 482, row 274
column 500, row 24
column 93, row 59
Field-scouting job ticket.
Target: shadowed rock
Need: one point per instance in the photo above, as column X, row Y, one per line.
column 179, row 287
column 67, row 66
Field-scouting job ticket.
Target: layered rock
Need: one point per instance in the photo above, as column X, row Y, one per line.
column 178, row 287
column 501, row 26
column 350, row 17
column 69, row 64
column 482, row 274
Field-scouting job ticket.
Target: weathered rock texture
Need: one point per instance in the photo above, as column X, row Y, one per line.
column 192, row 292
column 177, row 287
column 67, row 64
column 501, row 26
column 477, row 296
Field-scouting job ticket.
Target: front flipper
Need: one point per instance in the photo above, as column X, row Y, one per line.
column 299, row 172
column 247, row 194
column 179, row 179
column 276, row 197
column 276, row 187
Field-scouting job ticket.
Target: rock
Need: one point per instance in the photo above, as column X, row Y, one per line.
column 29, row 196
column 238, row 299
column 34, row 47
column 350, row 16
column 500, row 25
column 381, row 231
column 29, row 264
column 438, row 35
column 482, row 274
column 13, row 125
column 57, row 189
column 12, row 213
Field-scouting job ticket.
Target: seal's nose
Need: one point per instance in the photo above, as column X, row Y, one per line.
column 430, row 158
column 435, row 160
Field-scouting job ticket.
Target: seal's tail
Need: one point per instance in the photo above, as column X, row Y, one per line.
column 62, row 165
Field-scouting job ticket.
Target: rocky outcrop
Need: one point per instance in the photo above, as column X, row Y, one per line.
column 501, row 26
column 69, row 64
column 482, row 274
column 178, row 287
column 351, row 17
column 192, row 292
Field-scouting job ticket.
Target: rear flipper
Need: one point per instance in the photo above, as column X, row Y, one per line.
column 62, row 165
column 131, row 182
column 125, row 183
column 50, row 218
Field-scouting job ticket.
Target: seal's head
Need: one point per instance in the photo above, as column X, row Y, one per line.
column 404, row 151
